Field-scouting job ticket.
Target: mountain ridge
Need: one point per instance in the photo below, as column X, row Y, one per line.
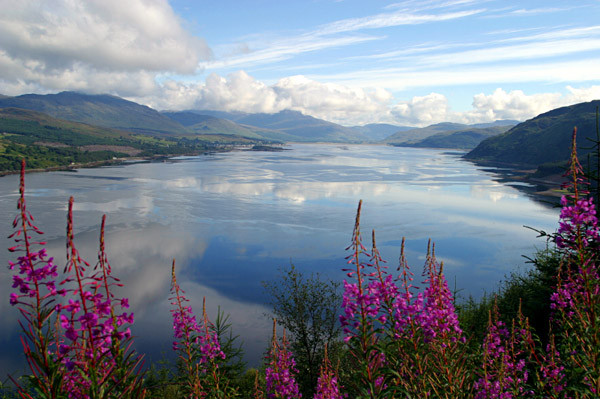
column 545, row 138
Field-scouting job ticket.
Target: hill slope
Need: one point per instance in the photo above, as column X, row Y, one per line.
column 48, row 142
column 463, row 139
column 296, row 126
column 415, row 135
column 200, row 123
column 543, row 139
column 100, row 110
column 380, row 131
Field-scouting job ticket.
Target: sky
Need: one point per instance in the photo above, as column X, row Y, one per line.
column 353, row 62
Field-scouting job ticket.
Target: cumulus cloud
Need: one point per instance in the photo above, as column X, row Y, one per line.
column 518, row 105
column 242, row 92
column 425, row 110
column 77, row 45
column 353, row 105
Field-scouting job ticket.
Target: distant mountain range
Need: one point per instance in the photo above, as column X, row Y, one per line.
column 292, row 126
column 117, row 113
column 285, row 126
column 449, row 135
column 380, row 131
column 543, row 139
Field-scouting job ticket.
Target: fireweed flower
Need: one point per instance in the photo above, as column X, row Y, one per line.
column 279, row 374
column 439, row 318
column 578, row 224
column 327, row 384
column 388, row 324
column 504, row 372
column 77, row 354
column 35, row 296
column 197, row 345
column 95, row 334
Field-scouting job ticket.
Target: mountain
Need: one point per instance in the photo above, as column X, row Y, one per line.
column 206, row 124
column 380, row 131
column 48, row 142
column 100, row 110
column 200, row 123
column 43, row 126
column 543, row 139
column 463, row 139
column 296, row 125
column 415, row 135
column 500, row 122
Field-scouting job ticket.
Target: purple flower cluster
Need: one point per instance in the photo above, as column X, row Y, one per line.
column 36, row 270
column 504, row 372
column 185, row 326
column 279, row 375
column 578, row 224
column 327, row 385
column 85, row 341
column 397, row 308
column 92, row 328
column 439, row 318
column 396, row 331
column 553, row 372
column 197, row 345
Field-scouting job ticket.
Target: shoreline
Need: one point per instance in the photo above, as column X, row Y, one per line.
column 97, row 164
column 133, row 159
column 547, row 189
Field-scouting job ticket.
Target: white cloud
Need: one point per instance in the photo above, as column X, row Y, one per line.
column 425, row 110
column 513, row 105
column 518, row 105
column 96, row 45
column 396, row 18
column 241, row 92
column 351, row 105
column 332, row 101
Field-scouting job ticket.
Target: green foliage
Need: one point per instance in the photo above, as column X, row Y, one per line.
column 233, row 366
column 161, row 382
column 529, row 291
column 307, row 307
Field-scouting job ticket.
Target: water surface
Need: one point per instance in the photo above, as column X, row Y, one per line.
column 231, row 220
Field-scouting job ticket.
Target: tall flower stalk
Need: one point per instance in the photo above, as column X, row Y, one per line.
column 198, row 348
column 576, row 300
column 281, row 370
column 36, row 298
column 405, row 343
column 327, row 385
column 84, row 351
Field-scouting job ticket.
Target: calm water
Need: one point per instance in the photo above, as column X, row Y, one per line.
column 231, row 220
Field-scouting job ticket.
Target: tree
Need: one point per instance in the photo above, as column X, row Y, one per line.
column 308, row 308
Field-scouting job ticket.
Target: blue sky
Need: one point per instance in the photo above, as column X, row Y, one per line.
column 351, row 62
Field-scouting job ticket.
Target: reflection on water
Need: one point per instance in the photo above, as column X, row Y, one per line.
column 231, row 220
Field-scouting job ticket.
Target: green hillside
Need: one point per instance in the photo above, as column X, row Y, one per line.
column 464, row 139
column 543, row 139
column 415, row 135
column 304, row 127
column 208, row 125
column 99, row 110
column 379, row 131
column 48, row 142
column 292, row 126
